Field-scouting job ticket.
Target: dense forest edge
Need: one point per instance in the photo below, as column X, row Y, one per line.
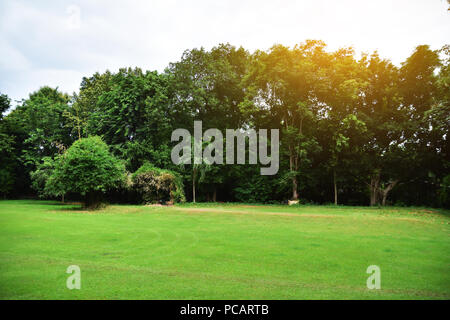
column 354, row 130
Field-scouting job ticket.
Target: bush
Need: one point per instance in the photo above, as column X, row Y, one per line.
column 155, row 184
column 41, row 175
column 87, row 168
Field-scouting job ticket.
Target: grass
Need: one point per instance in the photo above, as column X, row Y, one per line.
column 222, row 251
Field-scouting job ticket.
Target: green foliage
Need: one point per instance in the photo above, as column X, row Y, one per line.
column 7, row 150
column 42, row 117
column 130, row 110
column 207, row 86
column 444, row 192
column 155, row 184
column 7, row 175
column 87, row 168
column 5, row 103
column 361, row 129
column 41, row 175
column 256, row 189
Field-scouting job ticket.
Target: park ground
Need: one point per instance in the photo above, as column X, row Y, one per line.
column 222, row 251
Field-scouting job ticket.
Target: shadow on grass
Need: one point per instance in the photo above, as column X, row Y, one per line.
column 80, row 208
column 45, row 202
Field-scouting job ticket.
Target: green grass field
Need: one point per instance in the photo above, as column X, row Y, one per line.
column 222, row 251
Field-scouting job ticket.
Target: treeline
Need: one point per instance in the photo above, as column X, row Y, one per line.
column 354, row 131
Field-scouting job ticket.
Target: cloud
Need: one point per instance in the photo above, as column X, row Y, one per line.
column 11, row 58
column 56, row 42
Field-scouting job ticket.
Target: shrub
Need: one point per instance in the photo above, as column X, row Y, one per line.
column 155, row 184
column 87, row 168
column 41, row 175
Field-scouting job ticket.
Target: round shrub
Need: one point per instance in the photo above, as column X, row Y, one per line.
column 88, row 168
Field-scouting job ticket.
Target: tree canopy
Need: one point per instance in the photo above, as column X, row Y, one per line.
column 353, row 130
column 87, row 168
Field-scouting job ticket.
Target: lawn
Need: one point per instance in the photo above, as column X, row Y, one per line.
column 222, row 251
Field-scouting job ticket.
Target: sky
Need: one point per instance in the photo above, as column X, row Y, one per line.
column 56, row 43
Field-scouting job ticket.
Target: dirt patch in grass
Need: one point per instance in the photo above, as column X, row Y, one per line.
column 247, row 206
column 208, row 210
column 301, row 215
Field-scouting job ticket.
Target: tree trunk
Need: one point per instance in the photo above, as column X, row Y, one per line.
column 385, row 192
column 193, row 185
column 294, row 188
column 335, row 187
column 93, row 200
column 374, row 188
column 293, row 168
column 215, row 194
column 62, row 198
column 383, row 202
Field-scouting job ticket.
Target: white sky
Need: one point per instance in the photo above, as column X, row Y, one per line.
column 56, row 43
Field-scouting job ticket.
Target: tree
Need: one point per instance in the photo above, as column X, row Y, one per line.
column 207, row 86
column 43, row 174
column 85, row 102
column 89, row 169
column 283, row 94
column 7, row 150
column 5, row 103
column 42, row 117
column 36, row 129
column 380, row 109
column 130, row 110
column 423, row 85
column 340, row 90
column 349, row 127
column 340, row 141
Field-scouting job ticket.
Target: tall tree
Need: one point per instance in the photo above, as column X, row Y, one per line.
column 283, row 93
column 207, row 86
column 7, row 150
column 130, row 110
column 42, row 117
column 38, row 127
column 380, row 110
